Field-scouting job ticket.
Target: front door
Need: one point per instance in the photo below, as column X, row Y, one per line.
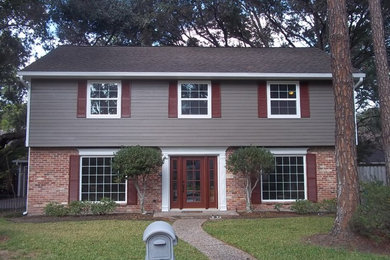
column 193, row 182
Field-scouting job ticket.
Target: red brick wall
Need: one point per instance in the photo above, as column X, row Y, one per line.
column 48, row 177
column 152, row 197
column 326, row 172
column 326, row 181
column 49, row 181
column 235, row 188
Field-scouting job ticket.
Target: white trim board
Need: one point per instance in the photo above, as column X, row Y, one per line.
column 183, row 75
column 220, row 152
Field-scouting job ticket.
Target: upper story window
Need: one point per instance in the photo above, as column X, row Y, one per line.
column 283, row 100
column 194, row 99
column 104, row 99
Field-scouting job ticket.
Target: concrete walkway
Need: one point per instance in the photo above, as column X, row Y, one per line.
column 190, row 230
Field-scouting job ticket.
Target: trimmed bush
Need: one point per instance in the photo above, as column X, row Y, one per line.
column 103, row 207
column 79, row 208
column 75, row 208
column 372, row 218
column 55, row 209
column 329, row 206
column 305, row 207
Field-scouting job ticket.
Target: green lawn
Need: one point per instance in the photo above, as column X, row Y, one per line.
column 280, row 238
column 104, row 239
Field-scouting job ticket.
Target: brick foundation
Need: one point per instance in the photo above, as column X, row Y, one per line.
column 326, row 172
column 48, row 177
column 49, row 182
column 235, row 188
column 326, row 181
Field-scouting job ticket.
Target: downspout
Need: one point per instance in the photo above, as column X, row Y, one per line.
column 358, row 84
column 25, row 84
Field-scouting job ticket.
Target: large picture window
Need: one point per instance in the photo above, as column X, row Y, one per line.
column 99, row 181
column 104, row 99
column 283, row 99
column 287, row 182
column 194, row 99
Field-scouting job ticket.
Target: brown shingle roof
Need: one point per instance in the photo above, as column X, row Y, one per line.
column 183, row 59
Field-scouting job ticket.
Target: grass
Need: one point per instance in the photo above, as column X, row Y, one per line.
column 104, row 239
column 280, row 238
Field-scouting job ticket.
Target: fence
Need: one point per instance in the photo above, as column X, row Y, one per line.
column 13, row 204
column 369, row 173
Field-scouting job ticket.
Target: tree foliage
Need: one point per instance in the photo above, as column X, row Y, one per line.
column 251, row 162
column 137, row 163
column 369, row 133
column 22, row 25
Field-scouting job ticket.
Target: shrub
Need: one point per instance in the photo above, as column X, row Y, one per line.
column 103, row 207
column 278, row 206
column 251, row 162
column 305, row 207
column 137, row 163
column 79, row 207
column 329, row 206
column 55, row 209
column 372, row 218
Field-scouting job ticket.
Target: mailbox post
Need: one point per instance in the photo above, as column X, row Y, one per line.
column 160, row 239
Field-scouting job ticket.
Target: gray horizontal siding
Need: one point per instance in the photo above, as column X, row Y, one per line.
column 53, row 119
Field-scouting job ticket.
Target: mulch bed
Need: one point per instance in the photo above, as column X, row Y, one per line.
column 267, row 214
column 352, row 242
column 122, row 216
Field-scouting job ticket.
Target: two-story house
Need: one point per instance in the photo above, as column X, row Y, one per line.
column 195, row 104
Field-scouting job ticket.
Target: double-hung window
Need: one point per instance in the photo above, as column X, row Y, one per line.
column 98, row 180
column 288, row 180
column 283, row 100
column 194, row 99
column 104, row 99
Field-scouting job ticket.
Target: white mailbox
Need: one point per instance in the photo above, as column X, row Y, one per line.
column 160, row 239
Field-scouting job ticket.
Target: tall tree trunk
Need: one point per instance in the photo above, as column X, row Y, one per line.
column 382, row 73
column 346, row 166
column 248, row 192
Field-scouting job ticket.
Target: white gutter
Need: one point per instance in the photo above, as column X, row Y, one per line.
column 27, row 136
column 181, row 75
column 28, row 108
column 358, row 84
column 28, row 181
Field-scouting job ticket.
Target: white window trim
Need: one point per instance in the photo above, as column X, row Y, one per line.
column 179, row 98
column 97, row 153
column 119, row 98
column 298, row 100
column 288, row 152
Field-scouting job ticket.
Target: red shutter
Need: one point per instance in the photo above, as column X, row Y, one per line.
column 82, row 98
column 216, row 100
column 256, row 193
column 311, row 172
column 126, row 99
column 172, row 100
column 262, row 99
column 305, row 101
column 74, row 181
column 132, row 198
